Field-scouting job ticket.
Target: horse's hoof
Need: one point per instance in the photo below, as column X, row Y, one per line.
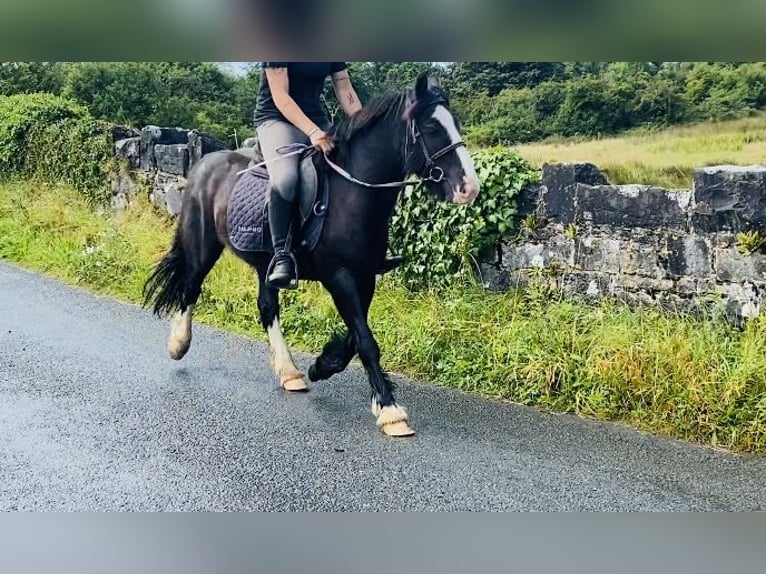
column 392, row 420
column 313, row 375
column 295, row 384
column 178, row 351
column 397, row 429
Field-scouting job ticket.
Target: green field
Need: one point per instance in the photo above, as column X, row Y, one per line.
column 665, row 158
column 695, row 379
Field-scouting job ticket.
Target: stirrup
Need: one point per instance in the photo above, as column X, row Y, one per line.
column 293, row 283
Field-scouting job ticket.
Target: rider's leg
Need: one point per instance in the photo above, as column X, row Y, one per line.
column 284, row 175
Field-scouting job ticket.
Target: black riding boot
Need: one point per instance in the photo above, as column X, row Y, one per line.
column 282, row 272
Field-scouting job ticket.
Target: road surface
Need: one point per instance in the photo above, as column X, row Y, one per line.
column 95, row 416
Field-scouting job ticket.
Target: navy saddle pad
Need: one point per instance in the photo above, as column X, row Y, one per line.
column 248, row 213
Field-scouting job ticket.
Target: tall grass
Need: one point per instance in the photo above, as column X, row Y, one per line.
column 696, row 379
column 665, row 158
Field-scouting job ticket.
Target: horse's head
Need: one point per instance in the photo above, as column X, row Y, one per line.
column 437, row 152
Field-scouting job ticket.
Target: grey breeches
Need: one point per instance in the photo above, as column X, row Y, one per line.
column 284, row 175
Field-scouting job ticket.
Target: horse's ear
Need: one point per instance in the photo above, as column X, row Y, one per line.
column 422, row 84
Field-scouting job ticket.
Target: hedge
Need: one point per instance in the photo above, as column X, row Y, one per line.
column 55, row 140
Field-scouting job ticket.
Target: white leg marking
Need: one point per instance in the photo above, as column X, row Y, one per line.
column 180, row 333
column 289, row 376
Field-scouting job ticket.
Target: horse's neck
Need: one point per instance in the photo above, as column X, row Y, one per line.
column 373, row 157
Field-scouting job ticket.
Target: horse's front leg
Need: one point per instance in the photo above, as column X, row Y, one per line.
column 290, row 377
column 351, row 296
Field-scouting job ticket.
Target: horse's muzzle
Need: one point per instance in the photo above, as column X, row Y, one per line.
column 467, row 191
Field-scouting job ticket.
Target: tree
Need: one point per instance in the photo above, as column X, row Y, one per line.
column 467, row 78
column 30, row 77
column 243, row 97
column 186, row 94
column 122, row 92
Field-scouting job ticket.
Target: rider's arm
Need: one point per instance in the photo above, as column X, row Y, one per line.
column 279, row 84
column 345, row 92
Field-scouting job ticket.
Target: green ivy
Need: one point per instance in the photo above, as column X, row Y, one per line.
column 442, row 242
column 56, row 140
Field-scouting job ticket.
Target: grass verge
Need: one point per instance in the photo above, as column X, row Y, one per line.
column 694, row 379
column 664, row 158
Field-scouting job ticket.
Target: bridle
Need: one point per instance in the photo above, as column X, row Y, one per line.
column 430, row 160
column 430, row 172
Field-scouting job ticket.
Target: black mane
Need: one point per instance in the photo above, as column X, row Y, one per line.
column 379, row 108
column 382, row 107
column 390, row 107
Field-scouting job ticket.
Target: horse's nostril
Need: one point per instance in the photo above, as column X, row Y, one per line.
column 470, row 187
column 467, row 191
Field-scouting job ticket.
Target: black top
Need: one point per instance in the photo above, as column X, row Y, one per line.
column 306, row 85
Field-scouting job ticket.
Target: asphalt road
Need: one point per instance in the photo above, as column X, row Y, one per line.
column 95, row 416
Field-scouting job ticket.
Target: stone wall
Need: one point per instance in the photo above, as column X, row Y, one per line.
column 675, row 248
column 158, row 160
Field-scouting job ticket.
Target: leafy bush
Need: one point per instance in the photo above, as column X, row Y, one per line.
column 618, row 97
column 443, row 242
column 19, row 114
column 722, row 91
column 54, row 139
column 589, row 108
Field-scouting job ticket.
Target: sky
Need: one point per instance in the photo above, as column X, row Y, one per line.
column 236, row 68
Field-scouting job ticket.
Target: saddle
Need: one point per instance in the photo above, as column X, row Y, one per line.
column 247, row 212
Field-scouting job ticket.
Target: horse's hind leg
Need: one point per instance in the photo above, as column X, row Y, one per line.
column 290, row 377
column 197, row 243
column 180, row 336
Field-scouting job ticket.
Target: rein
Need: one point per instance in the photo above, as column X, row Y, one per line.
column 435, row 173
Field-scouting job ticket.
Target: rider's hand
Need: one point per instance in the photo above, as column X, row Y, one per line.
column 322, row 141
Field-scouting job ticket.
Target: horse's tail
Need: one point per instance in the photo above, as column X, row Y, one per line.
column 165, row 289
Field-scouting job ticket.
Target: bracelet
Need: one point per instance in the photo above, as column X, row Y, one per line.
column 312, row 132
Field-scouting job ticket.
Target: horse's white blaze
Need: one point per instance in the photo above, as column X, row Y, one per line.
column 283, row 360
column 470, row 179
column 180, row 333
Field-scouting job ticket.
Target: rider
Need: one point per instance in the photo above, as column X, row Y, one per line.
column 289, row 110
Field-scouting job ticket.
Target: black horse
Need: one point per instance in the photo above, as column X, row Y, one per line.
column 391, row 138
